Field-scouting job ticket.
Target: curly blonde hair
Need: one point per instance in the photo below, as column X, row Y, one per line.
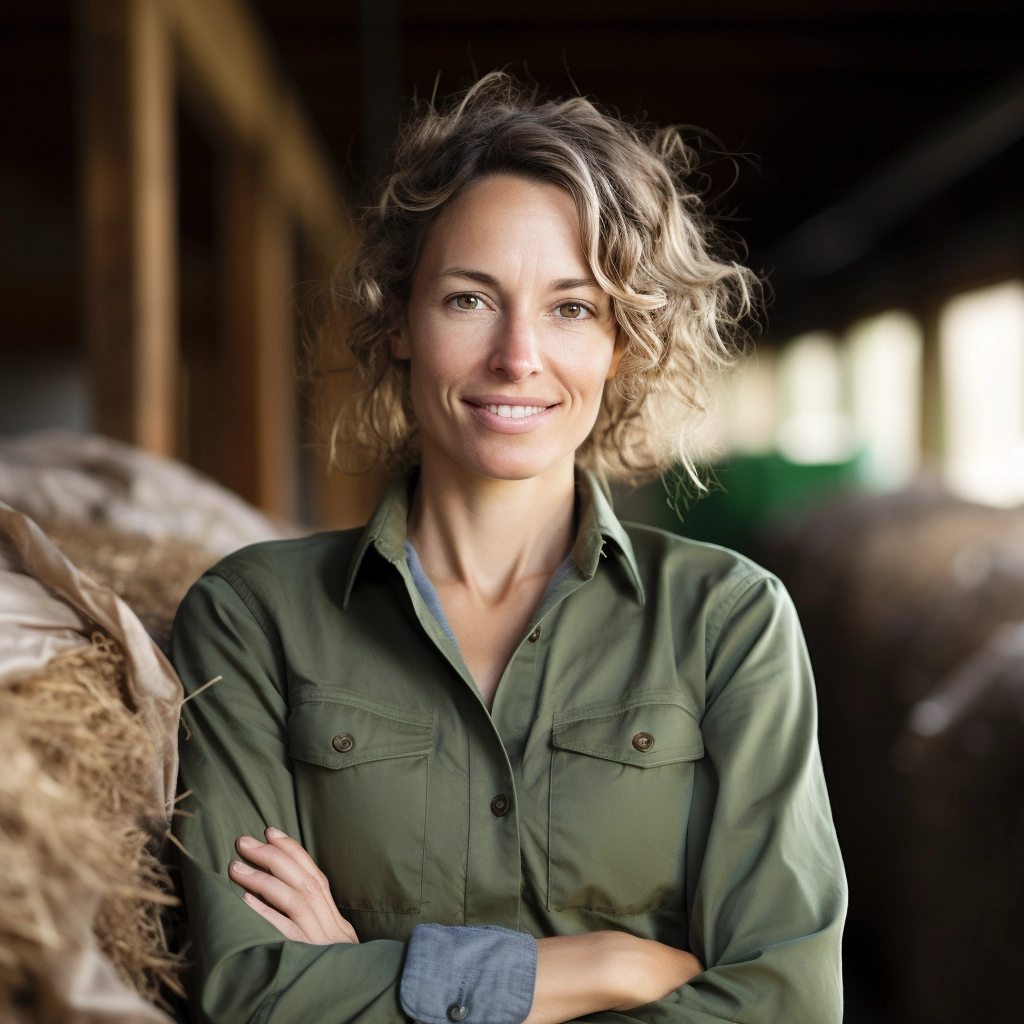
column 678, row 302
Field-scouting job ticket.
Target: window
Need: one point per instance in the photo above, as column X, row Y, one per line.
column 981, row 337
column 884, row 359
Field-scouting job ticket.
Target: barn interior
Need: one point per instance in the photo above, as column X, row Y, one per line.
column 180, row 178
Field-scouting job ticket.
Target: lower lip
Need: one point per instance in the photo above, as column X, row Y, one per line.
column 508, row 424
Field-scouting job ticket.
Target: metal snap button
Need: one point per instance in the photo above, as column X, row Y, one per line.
column 643, row 741
column 457, row 1013
column 343, row 743
column 499, row 807
column 534, row 636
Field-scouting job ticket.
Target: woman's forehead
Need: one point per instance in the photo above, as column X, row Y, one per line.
column 506, row 221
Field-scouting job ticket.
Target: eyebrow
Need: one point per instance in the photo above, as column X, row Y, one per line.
column 573, row 282
column 479, row 276
column 472, row 275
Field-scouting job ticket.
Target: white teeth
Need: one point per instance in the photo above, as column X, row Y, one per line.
column 515, row 412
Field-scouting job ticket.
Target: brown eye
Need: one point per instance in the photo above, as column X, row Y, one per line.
column 467, row 302
column 570, row 310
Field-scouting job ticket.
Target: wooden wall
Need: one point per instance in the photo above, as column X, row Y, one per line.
column 276, row 189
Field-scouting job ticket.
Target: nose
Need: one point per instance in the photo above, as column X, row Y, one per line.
column 515, row 354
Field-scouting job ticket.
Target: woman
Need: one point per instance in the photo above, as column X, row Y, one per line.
column 497, row 757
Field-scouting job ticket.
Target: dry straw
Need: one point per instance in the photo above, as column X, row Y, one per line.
column 77, row 832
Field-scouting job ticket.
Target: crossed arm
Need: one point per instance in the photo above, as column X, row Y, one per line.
column 766, row 893
column 576, row 974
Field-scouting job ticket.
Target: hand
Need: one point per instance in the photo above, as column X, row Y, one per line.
column 296, row 897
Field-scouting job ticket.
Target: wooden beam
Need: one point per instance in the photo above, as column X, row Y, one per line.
column 129, row 242
column 227, row 59
column 260, row 421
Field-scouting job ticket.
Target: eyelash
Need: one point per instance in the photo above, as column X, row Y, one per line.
column 572, row 302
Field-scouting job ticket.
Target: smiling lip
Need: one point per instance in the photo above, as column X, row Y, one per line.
column 510, row 415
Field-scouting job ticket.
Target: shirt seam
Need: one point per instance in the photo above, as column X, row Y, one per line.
column 249, row 599
column 733, row 596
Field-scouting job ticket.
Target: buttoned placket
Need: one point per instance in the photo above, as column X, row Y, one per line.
column 494, row 826
column 493, row 838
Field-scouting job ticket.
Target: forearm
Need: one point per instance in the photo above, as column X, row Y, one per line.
column 583, row 974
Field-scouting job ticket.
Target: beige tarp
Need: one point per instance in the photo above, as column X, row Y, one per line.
column 58, row 475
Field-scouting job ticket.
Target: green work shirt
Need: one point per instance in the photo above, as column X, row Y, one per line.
column 650, row 764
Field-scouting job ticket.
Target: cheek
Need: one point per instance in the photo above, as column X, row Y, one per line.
column 439, row 357
column 584, row 367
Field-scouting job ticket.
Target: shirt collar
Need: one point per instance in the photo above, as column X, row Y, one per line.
column 386, row 531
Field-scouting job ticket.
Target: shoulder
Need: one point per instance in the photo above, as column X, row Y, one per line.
column 276, row 574
column 666, row 558
column 705, row 583
column 288, row 560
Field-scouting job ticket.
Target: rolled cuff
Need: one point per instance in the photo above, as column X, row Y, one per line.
column 460, row 975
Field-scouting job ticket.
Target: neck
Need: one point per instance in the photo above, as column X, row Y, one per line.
column 487, row 534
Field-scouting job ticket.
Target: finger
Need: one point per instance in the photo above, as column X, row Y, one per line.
column 281, row 897
column 289, row 929
column 284, row 867
column 297, row 852
column 282, row 841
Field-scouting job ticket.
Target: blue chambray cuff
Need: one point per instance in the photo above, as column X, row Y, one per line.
column 478, row 975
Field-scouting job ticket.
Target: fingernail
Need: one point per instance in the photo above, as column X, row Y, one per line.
column 273, row 833
column 248, row 841
column 240, row 868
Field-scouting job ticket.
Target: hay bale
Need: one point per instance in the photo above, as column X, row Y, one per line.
column 78, row 833
column 150, row 574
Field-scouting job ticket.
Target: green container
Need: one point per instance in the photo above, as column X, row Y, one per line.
column 746, row 493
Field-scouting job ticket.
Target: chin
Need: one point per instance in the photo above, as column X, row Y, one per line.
column 514, row 465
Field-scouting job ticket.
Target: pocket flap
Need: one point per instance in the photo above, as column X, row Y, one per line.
column 647, row 735
column 339, row 733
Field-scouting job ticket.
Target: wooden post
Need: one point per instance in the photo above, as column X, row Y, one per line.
column 932, row 426
column 129, row 243
column 261, row 437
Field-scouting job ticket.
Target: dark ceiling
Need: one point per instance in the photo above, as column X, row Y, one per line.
column 822, row 96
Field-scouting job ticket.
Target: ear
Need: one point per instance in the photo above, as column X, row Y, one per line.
column 617, row 353
column 398, row 341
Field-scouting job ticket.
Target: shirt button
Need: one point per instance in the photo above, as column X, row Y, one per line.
column 643, row 741
column 457, row 1013
column 499, row 807
column 534, row 636
column 343, row 743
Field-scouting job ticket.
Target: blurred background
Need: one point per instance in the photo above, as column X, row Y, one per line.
column 178, row 179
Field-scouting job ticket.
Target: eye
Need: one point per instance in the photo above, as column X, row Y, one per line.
column 571, row 310
column 467, row 302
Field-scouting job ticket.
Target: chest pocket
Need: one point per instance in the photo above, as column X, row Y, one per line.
column 621, row 782
column 360, row 774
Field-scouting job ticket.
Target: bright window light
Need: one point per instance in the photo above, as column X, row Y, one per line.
column 752, row 407
column 814, row 427
column 742, row 411
column 884, row 354
column 982, row 359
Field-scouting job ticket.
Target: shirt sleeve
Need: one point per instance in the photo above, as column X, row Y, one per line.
column 767, row 897
column 234, row 761
column 480, row 975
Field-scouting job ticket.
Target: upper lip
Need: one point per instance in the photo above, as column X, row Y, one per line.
column 512, row 400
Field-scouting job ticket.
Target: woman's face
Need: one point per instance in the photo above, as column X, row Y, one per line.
column 509, row 339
